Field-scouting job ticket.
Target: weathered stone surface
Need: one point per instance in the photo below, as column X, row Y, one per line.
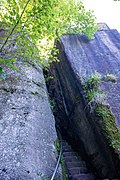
column 101, row 54
column 80, row 57
column 27, row 131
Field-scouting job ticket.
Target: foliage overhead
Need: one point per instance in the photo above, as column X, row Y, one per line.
column 33, row 25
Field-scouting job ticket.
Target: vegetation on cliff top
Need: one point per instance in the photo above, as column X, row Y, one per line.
column 35, row 25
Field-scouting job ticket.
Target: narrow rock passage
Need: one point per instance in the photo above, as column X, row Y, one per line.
column 75, row 166
column 79, row 57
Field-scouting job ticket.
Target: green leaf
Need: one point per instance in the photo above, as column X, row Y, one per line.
column 1, row 70
column 13, row 67
column 41, row 23
column 5, row 61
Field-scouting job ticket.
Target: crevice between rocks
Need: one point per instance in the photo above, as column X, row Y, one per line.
column 76, row 124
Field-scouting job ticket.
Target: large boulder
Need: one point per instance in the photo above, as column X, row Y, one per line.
column 27, row 129
column 79, row 58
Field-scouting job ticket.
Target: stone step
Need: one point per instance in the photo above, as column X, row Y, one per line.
column 77, row 170
column 82, row 177
column 72, row 154
column 69, row 153
column 67, row 149
column 76, row 164
column 64, row 143
column 71, row 158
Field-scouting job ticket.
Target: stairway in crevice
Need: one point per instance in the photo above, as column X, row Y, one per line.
column 75, row 166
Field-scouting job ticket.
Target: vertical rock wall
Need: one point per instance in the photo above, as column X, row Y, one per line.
column 80, row 57
column 27, row 130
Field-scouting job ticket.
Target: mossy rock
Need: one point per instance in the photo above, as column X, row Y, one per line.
column 109, row 126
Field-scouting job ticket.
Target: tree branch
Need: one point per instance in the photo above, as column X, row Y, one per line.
column 14, row 26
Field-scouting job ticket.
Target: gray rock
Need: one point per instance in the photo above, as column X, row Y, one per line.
column 27, row 127
column 101, row 54
column 80, row 57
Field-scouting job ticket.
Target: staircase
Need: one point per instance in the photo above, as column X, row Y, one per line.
column 75, row 166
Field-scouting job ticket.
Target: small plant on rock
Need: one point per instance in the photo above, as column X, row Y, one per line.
column 97, row 104
column 52, row 104
column 92, row 92
column 110, row 77
column 93, row 81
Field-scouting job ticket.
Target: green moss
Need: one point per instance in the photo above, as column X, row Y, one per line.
column 52, row 104
column 97, row 102
column 64, row 175
column 109, row 126
column 34, row 92
column 6, row 89
column 57, row 145
column 92, row 93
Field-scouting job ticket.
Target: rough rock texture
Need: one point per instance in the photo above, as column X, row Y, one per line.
column 80, row 57
column 101, row 54
column 27, row 131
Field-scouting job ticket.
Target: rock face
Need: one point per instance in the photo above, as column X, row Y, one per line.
column 102, row 55
column 80, row 57
column 27, row 131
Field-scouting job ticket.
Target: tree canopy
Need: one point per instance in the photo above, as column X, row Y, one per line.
column 35, row 24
